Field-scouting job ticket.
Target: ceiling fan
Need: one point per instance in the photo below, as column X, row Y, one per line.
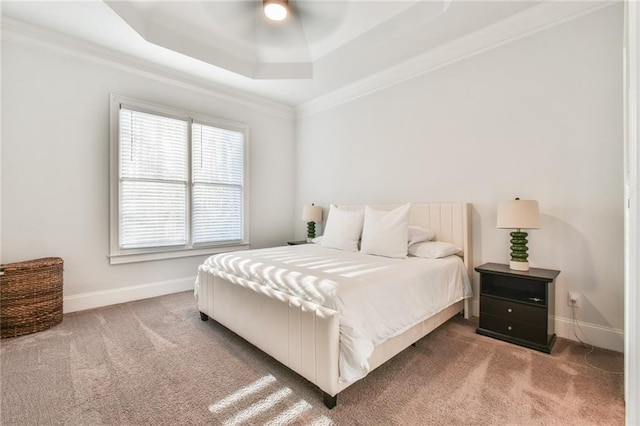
column 314, row 18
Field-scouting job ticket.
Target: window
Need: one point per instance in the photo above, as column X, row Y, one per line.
column 178, row 183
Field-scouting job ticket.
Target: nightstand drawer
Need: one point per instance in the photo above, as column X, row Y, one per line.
column 509, row 310
column 515, row 329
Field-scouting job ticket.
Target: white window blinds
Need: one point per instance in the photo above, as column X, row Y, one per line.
column 218, row 179
column 153, row 180
column 166, row 200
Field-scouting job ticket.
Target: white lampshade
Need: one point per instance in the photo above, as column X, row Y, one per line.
column 312, row 213
column 519, row 214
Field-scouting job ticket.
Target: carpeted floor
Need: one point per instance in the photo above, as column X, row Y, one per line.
column 155, row 362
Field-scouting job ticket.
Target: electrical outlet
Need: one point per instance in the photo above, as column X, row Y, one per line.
column 573, row 299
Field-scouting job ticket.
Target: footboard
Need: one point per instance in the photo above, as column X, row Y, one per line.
column 299, row 334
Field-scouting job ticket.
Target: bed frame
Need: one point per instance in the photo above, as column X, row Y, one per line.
column 305, row 336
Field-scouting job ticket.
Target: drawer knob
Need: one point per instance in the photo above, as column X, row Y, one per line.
column 509, row 327
column 509, row 310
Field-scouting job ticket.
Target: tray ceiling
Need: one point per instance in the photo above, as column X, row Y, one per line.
column 322, row 46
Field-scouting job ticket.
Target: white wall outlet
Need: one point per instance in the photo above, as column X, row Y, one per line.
column 573, row 299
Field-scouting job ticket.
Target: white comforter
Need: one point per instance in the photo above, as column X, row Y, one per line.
column 377, row 297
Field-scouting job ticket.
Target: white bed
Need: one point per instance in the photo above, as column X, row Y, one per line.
column 334, row 316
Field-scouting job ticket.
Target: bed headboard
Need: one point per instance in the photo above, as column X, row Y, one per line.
column 450, row 221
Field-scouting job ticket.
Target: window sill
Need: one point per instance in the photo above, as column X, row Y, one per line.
column 119, row 259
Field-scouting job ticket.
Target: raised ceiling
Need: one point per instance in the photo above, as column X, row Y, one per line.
column 323, row 46
column 237, row 36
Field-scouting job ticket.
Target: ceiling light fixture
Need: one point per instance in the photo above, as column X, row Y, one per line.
column 276, row 10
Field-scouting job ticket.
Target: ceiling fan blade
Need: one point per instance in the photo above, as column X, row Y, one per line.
column 319, row 18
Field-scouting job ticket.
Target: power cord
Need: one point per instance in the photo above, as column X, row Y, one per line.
column 576, row 326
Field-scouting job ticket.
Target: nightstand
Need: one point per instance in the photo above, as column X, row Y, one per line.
column 518, row 306
column 296, row 243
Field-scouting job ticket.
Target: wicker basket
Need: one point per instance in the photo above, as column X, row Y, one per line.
column 30, row 296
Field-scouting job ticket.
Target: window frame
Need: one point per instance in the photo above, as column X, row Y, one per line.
column 118, row 255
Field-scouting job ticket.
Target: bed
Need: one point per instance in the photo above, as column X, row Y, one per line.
column 328, row 314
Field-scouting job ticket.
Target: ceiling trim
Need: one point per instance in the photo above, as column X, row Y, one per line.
column 19, row 32
column 530, row 21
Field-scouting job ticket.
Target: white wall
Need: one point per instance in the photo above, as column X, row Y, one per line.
column 632, row 261
column 538, row 118
column 55, row 169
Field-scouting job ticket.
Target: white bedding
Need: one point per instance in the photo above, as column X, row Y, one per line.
column 377, row 297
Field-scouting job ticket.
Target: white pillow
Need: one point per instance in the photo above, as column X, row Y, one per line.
column 343, row 229
column 433, row 249
column 386, row 233
column 418, row 234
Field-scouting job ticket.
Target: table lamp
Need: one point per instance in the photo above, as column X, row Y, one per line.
column 311, row 214
column 519, row 214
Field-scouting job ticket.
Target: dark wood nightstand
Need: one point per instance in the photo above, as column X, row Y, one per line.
column 296, row 243
column 518, row 307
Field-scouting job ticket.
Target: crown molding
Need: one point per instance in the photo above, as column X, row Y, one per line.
column 530, row 21
column 21, row 33
column 538, row 18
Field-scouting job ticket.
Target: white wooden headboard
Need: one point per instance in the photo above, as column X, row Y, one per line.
column 450, row 221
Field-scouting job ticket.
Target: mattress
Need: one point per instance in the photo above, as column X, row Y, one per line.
column 376, row 297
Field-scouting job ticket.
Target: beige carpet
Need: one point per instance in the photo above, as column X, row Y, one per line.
column 155, row 362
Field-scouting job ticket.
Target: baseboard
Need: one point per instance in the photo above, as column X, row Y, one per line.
column 593, row 334
column 97, row 299
column 596, row 335
column 475, row 308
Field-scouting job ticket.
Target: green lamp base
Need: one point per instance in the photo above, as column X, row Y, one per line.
column 311, row 231
column 519, row 253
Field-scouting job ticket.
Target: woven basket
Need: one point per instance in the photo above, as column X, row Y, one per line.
column 30, row 296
